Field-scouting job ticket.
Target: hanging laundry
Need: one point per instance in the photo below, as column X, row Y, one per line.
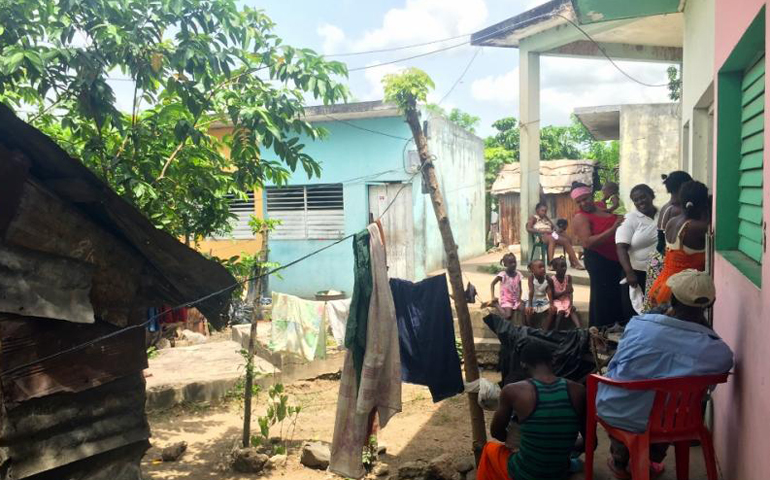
column 355, row 330
column 426, row 335
column 336, row 317
column 380, row 386
column 297, row 327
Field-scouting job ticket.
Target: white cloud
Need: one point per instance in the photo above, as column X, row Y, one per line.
column 567, row 83
column 497, row 88
column 423, row 21
column 374, row 76
column 333, row 38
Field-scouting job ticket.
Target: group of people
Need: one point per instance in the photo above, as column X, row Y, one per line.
column 629, row 259
column 660, row 255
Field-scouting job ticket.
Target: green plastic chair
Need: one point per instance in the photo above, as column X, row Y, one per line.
column 539, row 250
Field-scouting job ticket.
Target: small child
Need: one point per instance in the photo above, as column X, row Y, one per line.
column 510, row 288
column 561, row 293
column 539, row 293
column 610, row 199
column 561, row 228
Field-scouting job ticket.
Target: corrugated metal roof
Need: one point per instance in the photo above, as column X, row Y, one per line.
column 556, row 176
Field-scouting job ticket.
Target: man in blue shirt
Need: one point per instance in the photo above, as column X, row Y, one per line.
column 676, row 344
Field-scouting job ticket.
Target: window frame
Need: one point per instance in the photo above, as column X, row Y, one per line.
column 308, row 221
column 728, row 151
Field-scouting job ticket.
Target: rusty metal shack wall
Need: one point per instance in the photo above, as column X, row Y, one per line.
column 559, row 206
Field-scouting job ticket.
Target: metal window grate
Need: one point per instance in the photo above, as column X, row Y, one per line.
column 750, row 235
column 243, row 210
column 313, row 212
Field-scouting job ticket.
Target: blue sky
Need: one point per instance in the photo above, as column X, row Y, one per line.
column 489, row 89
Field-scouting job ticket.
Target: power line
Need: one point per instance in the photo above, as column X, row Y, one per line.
column 393, row 49
column 459, row 79
column 351, row 124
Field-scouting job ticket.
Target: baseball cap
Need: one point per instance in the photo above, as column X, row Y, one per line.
column 693, row 288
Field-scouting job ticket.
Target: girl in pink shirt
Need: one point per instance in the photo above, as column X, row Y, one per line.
column 509, row 303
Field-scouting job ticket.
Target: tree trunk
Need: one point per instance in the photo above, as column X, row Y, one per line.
column 455, row 278
column 255, row 315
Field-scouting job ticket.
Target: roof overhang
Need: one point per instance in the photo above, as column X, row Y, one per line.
column 638, row 33
column 603, row 122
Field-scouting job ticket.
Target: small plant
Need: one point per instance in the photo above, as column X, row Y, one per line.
column 278, row 413
column 152, row 352
column 493, row 268
column 369, row 455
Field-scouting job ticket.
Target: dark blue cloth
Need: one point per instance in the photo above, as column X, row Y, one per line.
column 426, row 336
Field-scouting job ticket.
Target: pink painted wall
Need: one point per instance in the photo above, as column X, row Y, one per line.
column 742, row 311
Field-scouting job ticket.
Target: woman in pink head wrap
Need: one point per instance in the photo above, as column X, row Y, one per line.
column 596, row 230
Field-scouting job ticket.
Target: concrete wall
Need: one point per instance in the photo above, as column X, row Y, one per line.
column 460, row 170
column 228, row 248
column 348, row 153
column 649, row 147
column 697, row 93
column 742, row 311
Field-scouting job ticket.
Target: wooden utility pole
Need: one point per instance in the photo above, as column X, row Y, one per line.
column 455, row 276
column 256, row 314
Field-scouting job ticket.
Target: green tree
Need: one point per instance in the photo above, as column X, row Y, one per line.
column 457, row 116
column 674, row 83
column 191, row 64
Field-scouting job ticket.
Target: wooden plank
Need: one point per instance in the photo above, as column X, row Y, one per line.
column 752, row 160
column 752, row 249
column 750, row 213
column 753, row 144
column 753, row 73
column 46, row 433
column 751, row 196
column 753, row 91
column 25, row 339
column 755, row 125
column 42, row 285
column 752, row 231
column 753, row 108
column 751, row 178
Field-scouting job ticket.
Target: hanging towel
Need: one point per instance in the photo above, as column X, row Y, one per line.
column 336, row 316
column 380, row 385
column 355, row 330
column 298, row 327
column 426, row 335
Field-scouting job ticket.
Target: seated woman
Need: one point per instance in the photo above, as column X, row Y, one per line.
column 541, row 226
column 685, row 241
column 550, row 412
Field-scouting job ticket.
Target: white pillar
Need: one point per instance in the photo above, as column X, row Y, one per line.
column 529, row 146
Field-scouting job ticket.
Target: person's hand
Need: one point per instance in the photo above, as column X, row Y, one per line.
column 632, row 280
column 529, row 311
column 552, row 309
column 618, row 222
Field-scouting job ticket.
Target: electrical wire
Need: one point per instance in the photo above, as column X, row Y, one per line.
column 393, row 49
column 459, row 79
column 351, row 124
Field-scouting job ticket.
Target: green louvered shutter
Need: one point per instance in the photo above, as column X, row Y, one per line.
column 751, row 166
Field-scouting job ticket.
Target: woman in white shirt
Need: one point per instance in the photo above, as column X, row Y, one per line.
column 636, row 240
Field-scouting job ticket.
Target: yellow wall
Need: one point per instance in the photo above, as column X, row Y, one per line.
column 227, row 248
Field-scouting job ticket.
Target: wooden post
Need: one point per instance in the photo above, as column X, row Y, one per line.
column 455, row 277
column 256, row 314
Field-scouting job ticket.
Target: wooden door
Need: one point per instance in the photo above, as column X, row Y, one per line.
column 398, row 224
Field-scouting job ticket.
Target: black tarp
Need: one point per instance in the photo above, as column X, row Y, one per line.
column 569, row 348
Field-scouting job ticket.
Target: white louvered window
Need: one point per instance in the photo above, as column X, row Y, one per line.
column 313, row 212
column 243, row 210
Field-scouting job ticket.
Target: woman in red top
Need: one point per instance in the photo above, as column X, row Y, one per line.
column 596, row 230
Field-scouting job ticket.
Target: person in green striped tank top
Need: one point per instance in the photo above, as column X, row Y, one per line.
column 550, row 411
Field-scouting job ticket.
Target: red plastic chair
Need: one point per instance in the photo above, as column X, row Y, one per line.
column 676, row 417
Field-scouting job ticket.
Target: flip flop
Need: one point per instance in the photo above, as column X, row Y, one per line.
column 616, row 472
column 578, row 267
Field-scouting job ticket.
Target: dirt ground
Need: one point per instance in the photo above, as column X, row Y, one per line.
column 423, row 430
